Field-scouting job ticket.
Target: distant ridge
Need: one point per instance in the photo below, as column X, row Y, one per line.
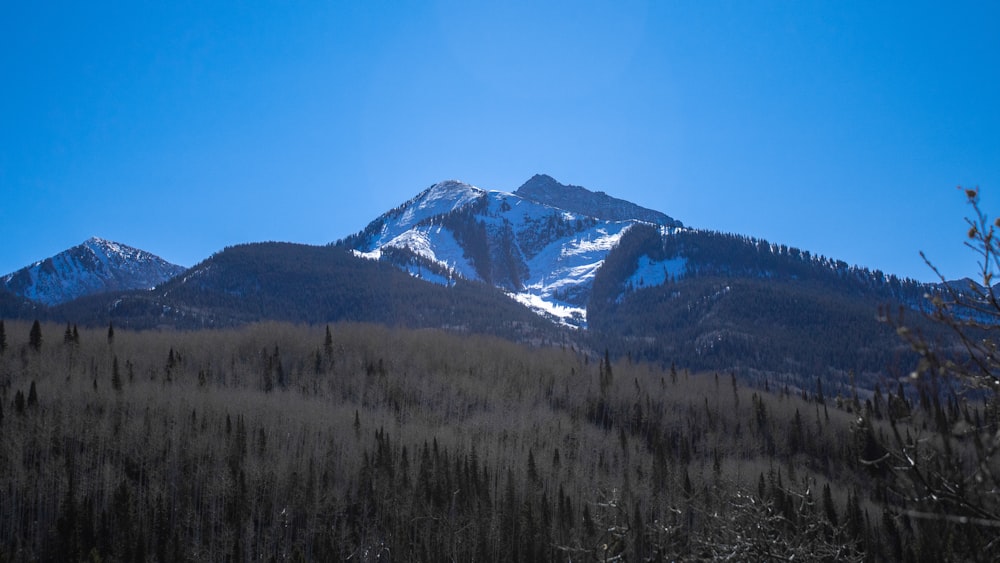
column 95, row 266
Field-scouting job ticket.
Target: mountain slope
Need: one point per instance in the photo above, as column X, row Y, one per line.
column 714, row 301
column 15, row 307
column 95, row 266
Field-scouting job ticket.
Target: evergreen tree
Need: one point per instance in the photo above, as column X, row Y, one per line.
column 116, row 377
column 532, row 468
column 279, row 369
column 3, row 338
column 111, row 333
column 171, row 363
column 32, row 396
column 35, row 336
column 828, row 507
column 606, row 377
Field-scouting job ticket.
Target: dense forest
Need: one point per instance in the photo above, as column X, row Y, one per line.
column 275, row 442
column 14, row 306
column 746, row 305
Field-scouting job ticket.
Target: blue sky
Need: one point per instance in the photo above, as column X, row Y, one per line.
column 841, row 128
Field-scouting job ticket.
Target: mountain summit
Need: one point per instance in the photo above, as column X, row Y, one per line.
column 95, row 266
column 542, row 244
column 545, row 189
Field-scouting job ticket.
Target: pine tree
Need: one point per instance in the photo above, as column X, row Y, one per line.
column 116, row 377
column 828, row 507
column 111, row 334
column 279, row 369
column 171, row 363
column 35, row 336
column 3, row 338
column 532, row 468
column 32, row 396
column 606, row 377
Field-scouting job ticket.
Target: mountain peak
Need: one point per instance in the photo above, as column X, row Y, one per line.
column 116, row 250
column 453, row 184
column 450, row 190
column 94, row 266
column 540, row 180
column 547, row 190
column 440, row 198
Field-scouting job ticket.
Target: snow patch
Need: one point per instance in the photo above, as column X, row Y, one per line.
column 571, row 263
column 423, row 274
column 438, row 245
column 651, row 273
column 566, row 315
column 373, row 255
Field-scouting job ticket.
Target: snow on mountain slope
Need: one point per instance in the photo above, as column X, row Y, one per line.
column 562, row 273
column 656, row 272
column 542, row 254
column 436, row 244
column 440, row 199
column 95, row 266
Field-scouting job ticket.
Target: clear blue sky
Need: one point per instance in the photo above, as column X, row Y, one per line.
column 842, row 128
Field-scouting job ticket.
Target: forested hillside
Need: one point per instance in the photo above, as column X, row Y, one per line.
column 358, row 442
column 309, row 284
column 14, row 306
column 744, row 304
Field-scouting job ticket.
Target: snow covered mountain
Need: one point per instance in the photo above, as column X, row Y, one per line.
column 542, row 243
column 95, row 266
